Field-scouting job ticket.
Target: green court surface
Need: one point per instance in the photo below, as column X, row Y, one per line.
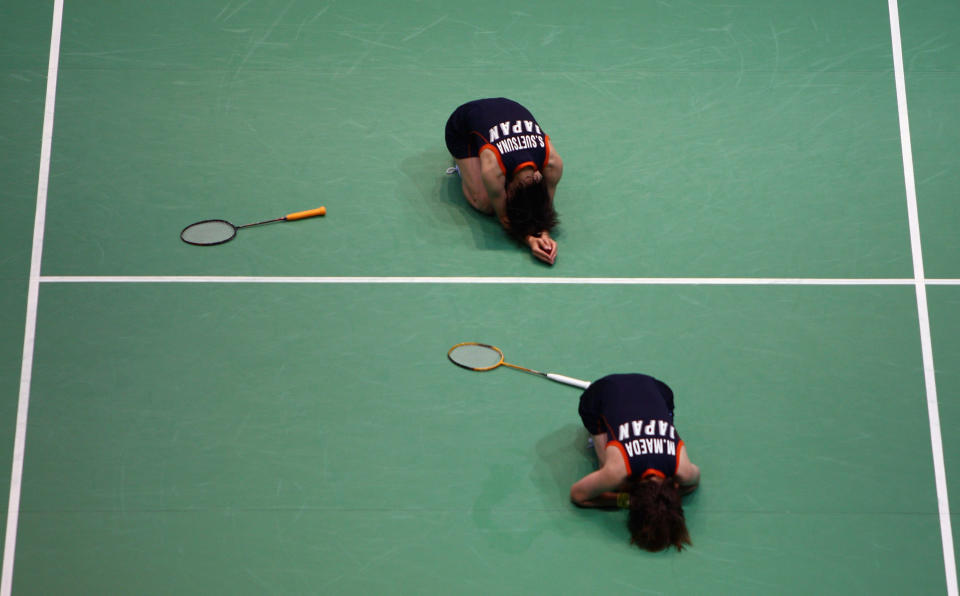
column 308, row 435
column 945, row 315
column 339, row 449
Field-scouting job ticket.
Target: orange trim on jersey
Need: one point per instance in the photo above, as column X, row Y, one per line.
column 525, row 164
column 679, row 449
column 652, row 472
column 482, row 138
column 623, row 452
column 479, row 134
column 496, row 152
column 546, row 151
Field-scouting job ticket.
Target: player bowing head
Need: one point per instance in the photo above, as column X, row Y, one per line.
column 642, row 463
column 655, row 517
column 508, row 168
column 529, row 208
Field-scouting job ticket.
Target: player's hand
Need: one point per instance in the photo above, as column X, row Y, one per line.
column 543, row 247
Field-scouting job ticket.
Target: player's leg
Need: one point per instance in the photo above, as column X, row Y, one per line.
column 590, row 410
column 472, row 184
column 460, row 145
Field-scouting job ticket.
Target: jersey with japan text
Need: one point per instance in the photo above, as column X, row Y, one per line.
column 510, row 130
column 636, row 411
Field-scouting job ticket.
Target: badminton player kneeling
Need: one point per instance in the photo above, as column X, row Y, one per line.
column 508, row 168
column 642, row 462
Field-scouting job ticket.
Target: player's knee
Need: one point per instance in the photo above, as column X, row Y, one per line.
column 478, row 200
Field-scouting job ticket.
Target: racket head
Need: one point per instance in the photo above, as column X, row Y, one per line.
column 208, row 232
column 472, row 355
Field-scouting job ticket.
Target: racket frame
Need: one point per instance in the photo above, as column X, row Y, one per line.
column 289, row 217
column 197, row 223
column 476, row 343
column 558, row 378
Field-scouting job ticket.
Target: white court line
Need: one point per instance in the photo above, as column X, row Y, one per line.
column 30, row 327
column 586, row 281
column 926, row 345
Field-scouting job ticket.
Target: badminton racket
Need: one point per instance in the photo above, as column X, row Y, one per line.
column 217, row 231
column 482, row 357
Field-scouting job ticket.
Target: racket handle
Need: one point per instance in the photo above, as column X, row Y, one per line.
column 568, row 380
column 306, row 214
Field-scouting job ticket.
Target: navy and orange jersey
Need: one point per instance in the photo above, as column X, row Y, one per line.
column 636, row 413
column 501, row 125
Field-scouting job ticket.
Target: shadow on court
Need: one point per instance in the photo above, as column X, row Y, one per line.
column 439, row 200
column 563, row 457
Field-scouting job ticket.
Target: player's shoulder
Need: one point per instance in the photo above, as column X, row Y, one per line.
column 552, row 148
column 687, row 471
column 553, row 169
column 488, row 154
column 490, row 163
column 614, row 468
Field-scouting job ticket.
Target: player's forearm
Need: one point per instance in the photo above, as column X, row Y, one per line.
column 604, row 500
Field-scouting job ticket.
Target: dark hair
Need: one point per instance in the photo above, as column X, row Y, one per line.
column 530, row 210
column 656, row 519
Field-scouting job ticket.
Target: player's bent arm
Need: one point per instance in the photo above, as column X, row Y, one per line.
column 605, row 500
column 495, row 183
column 553, row 171
column 688, row 473
column 596, row 489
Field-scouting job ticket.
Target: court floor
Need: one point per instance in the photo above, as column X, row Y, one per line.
column 277, row 414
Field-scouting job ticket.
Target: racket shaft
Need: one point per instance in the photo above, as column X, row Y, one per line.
column 568, row 380
column 306, row 214
column 259, row 223
column 525, row 369
column 552, row 376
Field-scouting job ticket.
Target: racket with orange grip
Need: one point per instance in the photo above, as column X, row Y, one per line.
column 217, row 231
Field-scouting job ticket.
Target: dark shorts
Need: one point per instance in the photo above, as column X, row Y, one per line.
column 624, row 397
column 457, row 133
